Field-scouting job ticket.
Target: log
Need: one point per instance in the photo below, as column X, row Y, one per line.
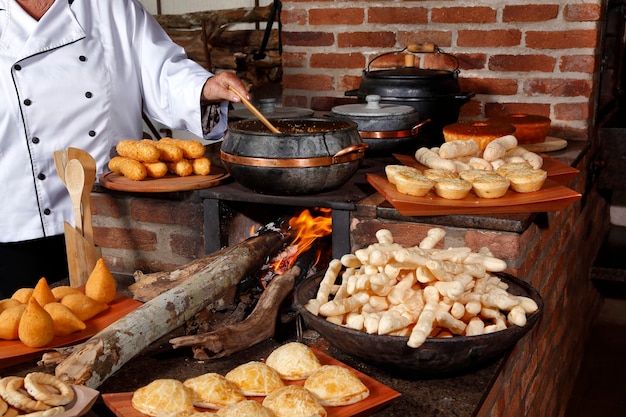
column 258, row 326
column 107, row 351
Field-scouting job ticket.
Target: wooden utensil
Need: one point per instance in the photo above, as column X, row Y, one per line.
column 89, row 168
column 60, row 160
column 254, row 110
column 75, row 183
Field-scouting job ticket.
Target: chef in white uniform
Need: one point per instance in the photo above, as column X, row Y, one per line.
column 79, row 73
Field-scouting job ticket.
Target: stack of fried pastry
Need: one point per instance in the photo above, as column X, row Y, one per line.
column 37, row 393
column 270, row 382
column 36, row 315
column 140, row 159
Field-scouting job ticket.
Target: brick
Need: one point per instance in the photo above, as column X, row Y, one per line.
column 294, row 59
column 395, row 15
column 530, row 13
column 314, row 82
column 441, row 38
column 470, row 110
column 565, row 39
column 463, row 15
column 366, row 39
column 308, row 38
column 106, row 205
column 167, row 212
column 543, row 63
column 572, row 111
column 335, row 60
column 472, row 61
column 500, row 86
column 500, row 108
column 577, row 63
column 187, row 245
column 293, row 16
column 349, row 82
column 504, row 246
column 337, row 16
column 120, row 238
column 586, row 12
column 560, row 87
column 386, row 61
column 295, row 101
column 489, row 38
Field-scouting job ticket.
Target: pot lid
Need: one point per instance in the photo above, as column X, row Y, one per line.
column 373, row 108
column 410, row 72
column 269, row 109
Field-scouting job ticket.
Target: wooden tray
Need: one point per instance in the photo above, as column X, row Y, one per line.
column 169, row 183
column 83, row 401
column 13, row 352
column 551, row 144
column 380, row 395
column 557, row 171
column 551, row 197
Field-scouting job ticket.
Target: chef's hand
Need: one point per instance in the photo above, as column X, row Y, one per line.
column 216, row 88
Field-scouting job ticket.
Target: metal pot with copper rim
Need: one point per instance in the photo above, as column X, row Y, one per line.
column 382, row 126
column 309, row 156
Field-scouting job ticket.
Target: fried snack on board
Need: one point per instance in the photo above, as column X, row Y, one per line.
column 155, row 169
column 246, row 408
column 101, row 285
column 13, row 392
column 10, row 322
column 130, row 168
column 293, row 361
column 182, row 168
column 138, row 150
column 37, row 383
column 163, row 398
column 213, row 391
column 192, row 149
column 36, row 328
column 255, row 378
column 63, row 290
column 82, row 306
column 201, row 166
column 168, row 152
column 23, row 295
column 293, row 401
column 65, row 322
column 42, row 293
column 334, row 385
column 8, row 303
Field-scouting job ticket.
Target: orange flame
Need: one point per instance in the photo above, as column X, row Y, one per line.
column 306, row 228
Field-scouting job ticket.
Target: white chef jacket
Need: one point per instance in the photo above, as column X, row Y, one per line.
column 81, row 77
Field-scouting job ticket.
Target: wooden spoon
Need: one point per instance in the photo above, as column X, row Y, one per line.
column 89, row 168
column 254, row 110
column 75, row 183
column 60, row 160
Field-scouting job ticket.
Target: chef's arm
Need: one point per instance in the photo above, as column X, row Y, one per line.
column 216, row 88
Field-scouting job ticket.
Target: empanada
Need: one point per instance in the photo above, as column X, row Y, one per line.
column 334, row 385
column 294, row 401
column 293, row 361
column 255, row 378
column 212, row 390
column 247, row 408
column 163, row 398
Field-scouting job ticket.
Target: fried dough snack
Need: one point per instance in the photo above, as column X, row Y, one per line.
column 168, row 152
column 182, row 168
column 101, row 285
column 130, row 168
column 156, row 169
column 138, row 150
column 192, row 149
column 201, row 166
column 36, row 328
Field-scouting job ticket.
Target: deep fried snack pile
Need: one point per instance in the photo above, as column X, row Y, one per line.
column 419, row 291
column 36, row 315
column 141, row 159
column 37, row 395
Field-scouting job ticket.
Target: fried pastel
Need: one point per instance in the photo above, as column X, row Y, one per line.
column 293, row 361
column 334, row 385
column 247, row 408
column 101, row 285
column 255, row 378
column 163, row 398
column 214, row 391
column 294, row 401
column 36, row 328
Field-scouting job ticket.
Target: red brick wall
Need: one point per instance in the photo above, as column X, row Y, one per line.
column 535, row 58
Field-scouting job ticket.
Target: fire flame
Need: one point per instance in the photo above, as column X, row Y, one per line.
column 306, row 228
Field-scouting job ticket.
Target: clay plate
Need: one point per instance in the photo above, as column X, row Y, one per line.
column 169, row 183
column 13, row 351
column 380, row 395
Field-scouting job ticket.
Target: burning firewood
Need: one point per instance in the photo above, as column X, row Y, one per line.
column 258, row 326
column 92, row 362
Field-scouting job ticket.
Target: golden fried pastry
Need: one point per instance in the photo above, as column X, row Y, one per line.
column 4, row 407
column 437, row 174
column 490, row 185
column 101, row 285
column 212, row 390
column 37, row 383
column 192, row 149
column 182, row 168
column 413, row 184
column 391, row 171
column 10, row 322
column 255, row 378
column 11, row 412
column 42, row 293
column 293, row 361
column 201, row 166
column 23, row 295
column 247, row 408
column 63, row 290
column 471, row 174
column 138, row 150
column 155, row 169
column 132, row 169
column 511, row 167
column 163, row 398
column 334, row 385
column 452, row 188
column 36, row 328
column 65, row 322
column 294, row 401
column 527, row 181
column 12, row 391
column 8, row 303
column 82, row 306
column 168, row 152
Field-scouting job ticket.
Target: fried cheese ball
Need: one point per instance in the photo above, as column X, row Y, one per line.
column 156, row 169
column 182, row 168
column 130, row 168
column 138, row 150
column 168, row 152
column 201, row 166
column 192, row 149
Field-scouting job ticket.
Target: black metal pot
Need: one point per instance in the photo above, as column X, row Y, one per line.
column 310, row 156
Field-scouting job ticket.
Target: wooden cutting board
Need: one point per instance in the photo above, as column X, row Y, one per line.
column 551, row 144
column 169, row 183
column 380, row 395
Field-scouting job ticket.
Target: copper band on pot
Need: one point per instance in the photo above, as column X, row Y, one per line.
column 391, row 134
column 350, row 154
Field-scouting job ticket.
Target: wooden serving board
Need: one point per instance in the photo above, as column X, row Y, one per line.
column 551, row 197
column 13, row 352
column 169, row 183
column 84, row 399
column 551, row 144
column 380, row 395
column 557, row 171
